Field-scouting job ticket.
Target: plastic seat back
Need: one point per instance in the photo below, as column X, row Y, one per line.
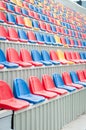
column 17, row 10
column 42, row 25
column 2, row 17
column 66, row 78
column 35, row 24
column 57, row 80
column 45, row 55
column 11, row 18
column 25, row 55
column 22, row 35
column 53, row 55
column 2, row 5
column 60, row 55
column 24, row 12
column 62, row 40
column 84, row 72
column 67, row 55
column 13, row 35
column 28, row 22
column 20, row 20
column 82, row 55
column 48, row 27
column 57, row 38
column 36, row 16
column 36, row 55
column 73, row 55
column 47, row 39
column 80, row 75
column 10, row 7
column 2, row 56
column 53, row 29
column 74, row 76
column 3, row 33
column 52, row 39
column 39, row 37
column 31, row 13
column 20, row 88
column 67, row 41
column 77, row 55
column 31, row 36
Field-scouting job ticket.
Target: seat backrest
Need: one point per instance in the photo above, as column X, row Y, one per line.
column 52, row 39
column 35, row 23
column 2, row 56
column 53, row 28
column 42, row 25
column 25, row 55
column 47, row 81
column 11, row 18
column 36, row 55
column 17, row 9
column 62, row 40
column 2, row 17
column 28, row 22
column 31, row 35
column 2, row 5
column 60, row 55
column 74, row 76
column 75, row 42
column 77, row 55
column 10, row 7
column 80, row 75
column 48, row 27
column 12, row 55
column 36, row 16
column 31, row 13
column 67, row 55
column 46, row 38
column 58, row 80
column 66, row 78
column 22, row 34
column 82, row 55
column 73, row 55
column 84, row 72
column 45, row 55
column 5, row 91
column 39, row 36
column 24, row 12
column 67, row 41
column 72, row 42
column 57, row 38
column 20, row 20
column 12, row 33
column 35, row 84
column 53, row 55
column 20, row 87
column 3, row 33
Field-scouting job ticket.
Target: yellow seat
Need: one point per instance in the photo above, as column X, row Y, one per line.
column 19, row 3
column 57, row 38
column 13, row 1
column 28, row 22
column 60, row 55
column 32, row 1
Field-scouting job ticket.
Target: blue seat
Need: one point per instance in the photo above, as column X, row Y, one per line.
column 35, row 9
column 68, row 26
column 35, row 24
column 59, row 83
column 53, row 28
column 11, row 18
column 36, row 56
column 39, row 38
column 21, row 91
column 73, row 33
column 31, row 6
column 40, row 11
column 75, row 79
column 42, row 17
column 75, row 43
column 46, row 57
column 10, row 7
column 82, row 55
column 4, row 62
column 67, row 41
column 24, row 12
column 53, row 41
column 47, row 39
column 22, row 36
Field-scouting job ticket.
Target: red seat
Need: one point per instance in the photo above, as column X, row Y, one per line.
column 71, row 43
column 42, row 25
column 12, row 34
column 2, row 5
column 81, row 75
column 50, row 86
column 73, row 56
column 8, row 101
column 62, row 30
column 12, row 56
column 36, row 16
column 31, row 37
column 67, row 80
column 2, row 17
column 62, row 39
column 20, row 20
column 84, row 72
column 58, row 30
column 37, row 87
column 78, row 58
column 51, row 20
column 48, row 28
column 26, row 57
column 17, row 9
column 54, row 57
column 31, row 13
column 79, row 43
column 3, row 33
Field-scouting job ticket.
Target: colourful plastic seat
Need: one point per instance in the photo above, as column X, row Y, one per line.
column 22, row 36
column 12, row 56
column 68, row 81
column 28, row 22
column 31, row 14
column 46, row 57
column 2, row 17
column 3, row 33
column 57, row 38
column 26, row 57
column 19, row 21
column 78, row 57
column 21, row 91
column 47, row 39
column 59, row 83
column 81, row 76
column 75, row 79
column 36, row 56
column 10, row 7
column 37, row 87
column 8, row 101
column 19, row 3
column 11, row 19
column 2, row 5
column 4, row 61
column 31, row 37
column 35, row 24
column 63, row 41
column 36, row 16
column 12, row 34
column 17, row 10
column 39, row 37
column 24, row 12
column 84, row 72
column 48, row 28
column 50, row 86
column 53, row 41
column 13, row 2
column 42, row 25
column 53, row 28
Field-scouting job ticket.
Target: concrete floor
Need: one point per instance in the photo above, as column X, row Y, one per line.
column 78, row 124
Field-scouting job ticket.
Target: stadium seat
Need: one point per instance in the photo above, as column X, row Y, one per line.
column 10, row 7
column 2, row 5
column 4, row 61
column 82, row 56
column 50, row 86
column 21, row 91
column 71, row 43
column 11, row 19
column 36, row 16
column 31, row 37
column 36, row 56
column 12, row 34
column 63, row 41
column 48, row 28
column 12, row 56
column 46, row 57
column 47, row 39
column 31, row 14
column 24, row 12
column 30, row 6
column 68, row 81
column 81, row 76
column 19, row 3
column 67, row 41
column 37, row 87
column 19, row 20
column 3, row 33
column 57, row 38
column 75, row 79
column 61, row 57
column 53, row 28
column 17, row 10
column 2, row 17
column 59, row 83
column 78, row 57
column 26, row 57
column 42, row 25
column 58, row 30
column 28, row 22
column 84, row 72
column 7, row 99
column 35, row 24
column 13, row 2
column 22, row 35
column 39, row 37
column 53, row 41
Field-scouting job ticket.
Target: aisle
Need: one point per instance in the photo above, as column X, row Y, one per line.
column 78, row 124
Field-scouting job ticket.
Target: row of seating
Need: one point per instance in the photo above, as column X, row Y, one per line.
column 38, row 91
column 25, row 59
